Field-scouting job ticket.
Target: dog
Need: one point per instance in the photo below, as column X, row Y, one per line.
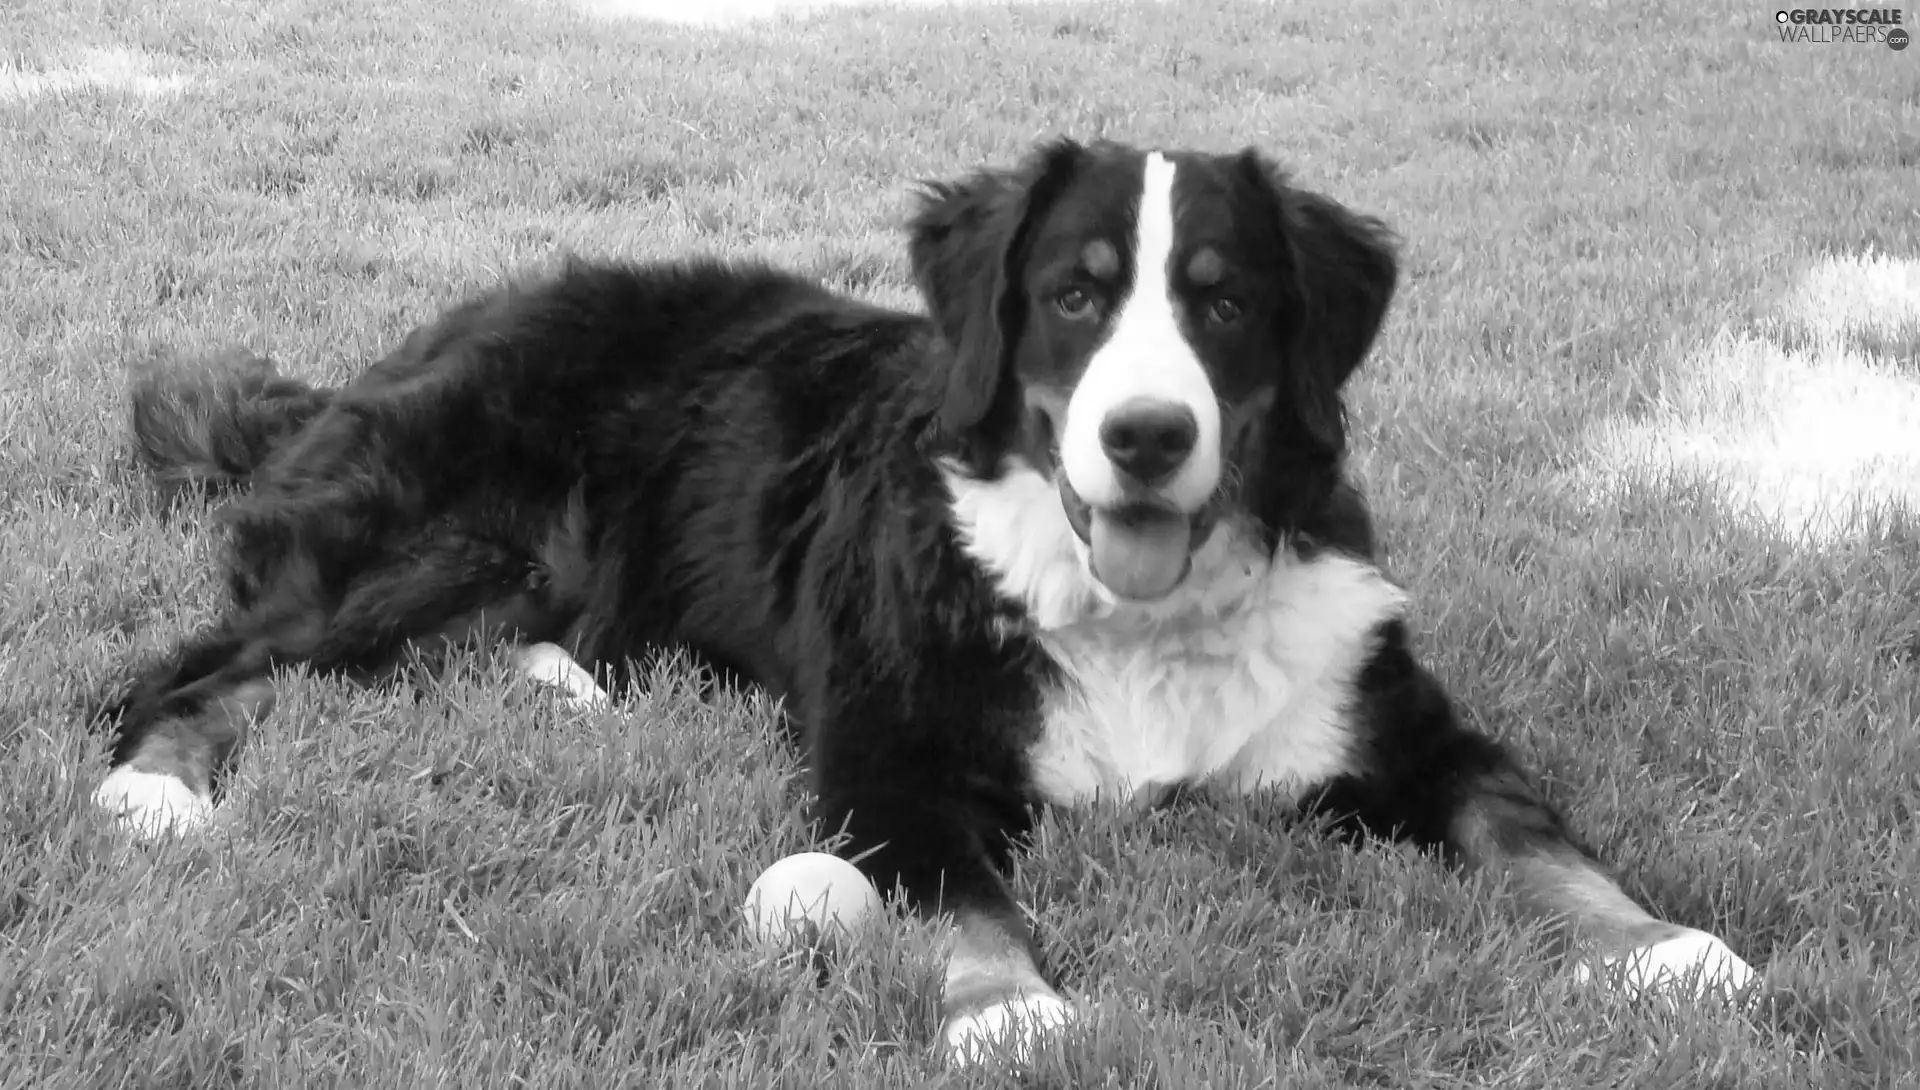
column 1081, row 530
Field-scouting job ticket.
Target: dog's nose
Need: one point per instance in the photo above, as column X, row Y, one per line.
column 1149, row 439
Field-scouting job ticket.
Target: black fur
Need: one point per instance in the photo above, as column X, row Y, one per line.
column 619, row 459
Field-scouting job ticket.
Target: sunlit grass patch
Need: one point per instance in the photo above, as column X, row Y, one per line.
column 728, row 12
column 124, row 71
column 1869, row 303
column 1811, row 423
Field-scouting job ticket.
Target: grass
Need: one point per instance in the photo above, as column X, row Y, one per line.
column 1648, row 252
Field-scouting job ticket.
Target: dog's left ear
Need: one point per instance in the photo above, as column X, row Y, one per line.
column 967, row 243
column 1345, row 266
column 1343, row 272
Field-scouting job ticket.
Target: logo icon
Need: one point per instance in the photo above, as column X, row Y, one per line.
column 1779, row 16
column 1897, row 38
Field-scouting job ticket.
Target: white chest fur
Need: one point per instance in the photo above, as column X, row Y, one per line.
column 1244, row 675
column 1258, row 696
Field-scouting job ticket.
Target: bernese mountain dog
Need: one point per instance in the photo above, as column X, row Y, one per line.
column 1080, row 530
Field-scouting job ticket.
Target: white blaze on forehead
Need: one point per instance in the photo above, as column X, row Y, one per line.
column 1146, row 354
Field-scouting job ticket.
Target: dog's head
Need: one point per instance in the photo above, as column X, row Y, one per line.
column 1161, row 336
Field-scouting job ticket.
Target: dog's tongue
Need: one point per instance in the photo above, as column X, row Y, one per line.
column 1140, row 554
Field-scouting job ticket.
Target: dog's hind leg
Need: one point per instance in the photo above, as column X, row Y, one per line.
column 527, row 620
column 184, row 718
column 177, row 723
column 467, row 592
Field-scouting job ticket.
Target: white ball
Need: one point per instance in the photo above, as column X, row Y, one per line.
column 804, row 897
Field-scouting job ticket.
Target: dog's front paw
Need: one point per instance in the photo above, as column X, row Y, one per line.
column 152, row 804
column 1012, row 1028
column 1691, row 963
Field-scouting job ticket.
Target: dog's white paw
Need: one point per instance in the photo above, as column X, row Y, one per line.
column 1012, row 1028
column 1692, row 963
column 549, row 664
column 152, row 804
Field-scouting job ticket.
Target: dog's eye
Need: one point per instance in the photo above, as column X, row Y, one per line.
column 1075, row 302
column 1223, row 312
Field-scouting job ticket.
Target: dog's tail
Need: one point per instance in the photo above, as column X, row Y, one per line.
column 205, row 427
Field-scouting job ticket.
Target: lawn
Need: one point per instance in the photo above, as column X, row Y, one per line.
column 1643, row 434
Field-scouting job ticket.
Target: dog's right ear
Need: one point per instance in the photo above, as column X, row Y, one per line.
column 967, row 243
